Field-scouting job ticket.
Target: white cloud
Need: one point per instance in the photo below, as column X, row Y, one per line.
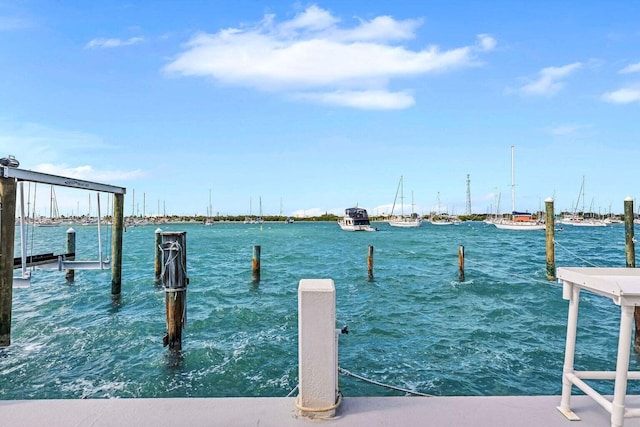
column 88, row 173
column 631, row 68
column 312, row 58
column 486, row 42
column 623, row 96
column 366, row 99
column 108, row 43
column 44, row 149
column 549, row 81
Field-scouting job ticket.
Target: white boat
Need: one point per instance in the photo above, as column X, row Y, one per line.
column 209, row 220
column 54, row 215
column 517, row 220
column 251, row 219
column 356, row 219
column 579, row 220
column 438, row 218
column 444, row 220
column 401, row 220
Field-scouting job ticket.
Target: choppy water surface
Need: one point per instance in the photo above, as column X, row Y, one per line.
column 501, row 332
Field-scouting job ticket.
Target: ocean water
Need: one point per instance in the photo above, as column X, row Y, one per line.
column 415, row 326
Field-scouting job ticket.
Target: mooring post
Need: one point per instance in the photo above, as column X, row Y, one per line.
column 7, row 235
column 70, row 273
column 174, row 280
column 370, row 263
column 255, row 264
column 318, row 395
column 461, row 263
column 629, row 243
column 550, row 233
column 157, row 260
column 116, row 244
column 630, row 251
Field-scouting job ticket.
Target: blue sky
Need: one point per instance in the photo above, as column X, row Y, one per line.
column 316, row 107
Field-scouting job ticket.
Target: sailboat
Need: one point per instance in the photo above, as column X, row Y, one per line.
column 53, row 220
column 260, row 220
column 438, row 218
column 249, row 219
column 401, row 220
column 580, row 220
column 209, row 220
column 518, row 220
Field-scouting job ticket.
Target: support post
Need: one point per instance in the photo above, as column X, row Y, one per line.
column 116, row 245
column 461, row 263
column 630, row 251
column 174, row 280
column 255, row 264
column 157, row 259
column 370, row 263
column 7, row 235
column 629, row 244
column 317, row 349
column 70, row 273
column 550, row 233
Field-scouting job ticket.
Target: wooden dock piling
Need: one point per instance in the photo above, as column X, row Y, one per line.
column 116, row 244
column 255, row 264
column 157, row 259
column 550, row 234
column 630, row 252
column 370, row 263
column 8, row 188
column 629, row 244
column 461, row 263
column 174, row 280
column 70, row 273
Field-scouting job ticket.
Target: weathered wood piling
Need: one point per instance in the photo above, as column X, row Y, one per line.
column 157, row 259
column 461, row 263
column 630, row 253
column 70, row 273
column 174, row 280
column 255, row 264
column 629, row 244
column 370, row 263
column 550, row 223
column 116, row 244
column 7, row 231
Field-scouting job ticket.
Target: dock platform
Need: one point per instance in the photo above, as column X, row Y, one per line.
column 494, row 411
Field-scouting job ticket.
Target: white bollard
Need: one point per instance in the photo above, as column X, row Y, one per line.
column 318, row 395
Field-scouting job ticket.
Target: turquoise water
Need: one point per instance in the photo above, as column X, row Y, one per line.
column 501, row 332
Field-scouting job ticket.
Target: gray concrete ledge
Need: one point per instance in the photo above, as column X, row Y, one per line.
column 494, row 411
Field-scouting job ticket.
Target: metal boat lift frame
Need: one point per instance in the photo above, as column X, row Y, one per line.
column 9, row 178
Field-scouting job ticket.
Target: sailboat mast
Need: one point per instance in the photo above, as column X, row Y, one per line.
column 513, row 182
column 401, row 197
column 209, row 210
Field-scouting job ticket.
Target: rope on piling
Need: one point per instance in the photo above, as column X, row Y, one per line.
column 318, row 410
column 174, row 248
column 351, row 374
